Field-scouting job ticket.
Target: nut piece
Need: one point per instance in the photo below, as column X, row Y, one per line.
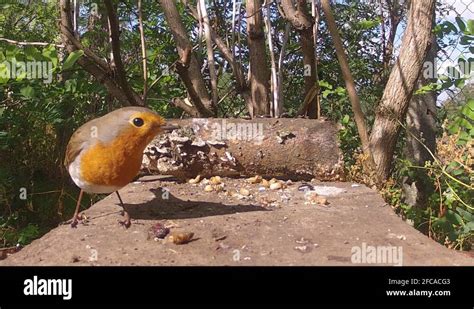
column 215, row 180
column 195, row 180
column 255, row 179
column 321, row 200
column 244, row 192
column 276, row 186
column 181, row 238
column 208, row 188
column 313, row 198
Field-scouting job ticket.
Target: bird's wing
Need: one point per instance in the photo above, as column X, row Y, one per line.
column 79, row 140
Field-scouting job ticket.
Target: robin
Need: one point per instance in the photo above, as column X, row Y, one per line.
column 105, row 154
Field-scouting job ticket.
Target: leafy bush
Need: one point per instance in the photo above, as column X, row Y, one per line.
column 453, row 175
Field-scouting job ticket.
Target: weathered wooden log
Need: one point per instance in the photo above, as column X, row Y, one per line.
column 284, row 147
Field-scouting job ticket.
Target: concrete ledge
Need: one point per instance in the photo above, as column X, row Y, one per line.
column 269, row 228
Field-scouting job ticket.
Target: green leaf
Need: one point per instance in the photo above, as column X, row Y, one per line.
column 4, row 73
column 428, row 88
column 468, row 227
column 453, row 235
column 366, row 24
column 50, row 53
column 346, row 119
column 461, row 24
column 27, row 92
column 442, row 223
column 326, row 92
column 453, row 217
column 466, row 215
column 460, row 82
column 458, row 171
column 449, row 26
column 466, row 40
column 72, row 58
column 325, row 84
column 468, row 110
column 33, row 53
column 463, row 137
column 470, row 26
column 11, row 51
column 453, row 129
column 71, row 85
column 464, row 123
column 470, row 104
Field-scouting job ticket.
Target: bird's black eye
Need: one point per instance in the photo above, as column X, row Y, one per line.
column 138, row 122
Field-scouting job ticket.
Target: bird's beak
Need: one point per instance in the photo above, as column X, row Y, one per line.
column 168, row 127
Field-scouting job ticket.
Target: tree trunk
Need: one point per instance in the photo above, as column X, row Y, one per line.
column 309, row 62
column 421, row 124
column 259, row 74
column 301, row 20
column 188, row 68
column 284, row 147
column 398, row 92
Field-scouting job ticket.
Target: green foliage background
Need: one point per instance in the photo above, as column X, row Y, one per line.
column 37, row 118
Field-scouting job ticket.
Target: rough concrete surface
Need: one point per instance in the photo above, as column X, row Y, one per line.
column 268, row 227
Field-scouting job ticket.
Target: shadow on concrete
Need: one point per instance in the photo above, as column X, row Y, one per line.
column 166, row 206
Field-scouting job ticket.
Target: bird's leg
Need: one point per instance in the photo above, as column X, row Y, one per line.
column 76, row 216
column 126, row 223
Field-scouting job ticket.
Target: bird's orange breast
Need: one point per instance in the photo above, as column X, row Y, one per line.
column 115, row 163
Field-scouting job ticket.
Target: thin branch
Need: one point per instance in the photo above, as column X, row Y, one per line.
column 189, row 109
column 78, row 46
column 226, row 52
column 115, row 42
column 23, row 43
column 75, row 18
column 144, row 56
column 90, row 62
column 210, row 52
column 275, row 83
column 316, row 16
column 284, row 45
column 349, row 80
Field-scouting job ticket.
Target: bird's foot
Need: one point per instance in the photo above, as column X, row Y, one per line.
column 125, row 223
column 75, row 220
